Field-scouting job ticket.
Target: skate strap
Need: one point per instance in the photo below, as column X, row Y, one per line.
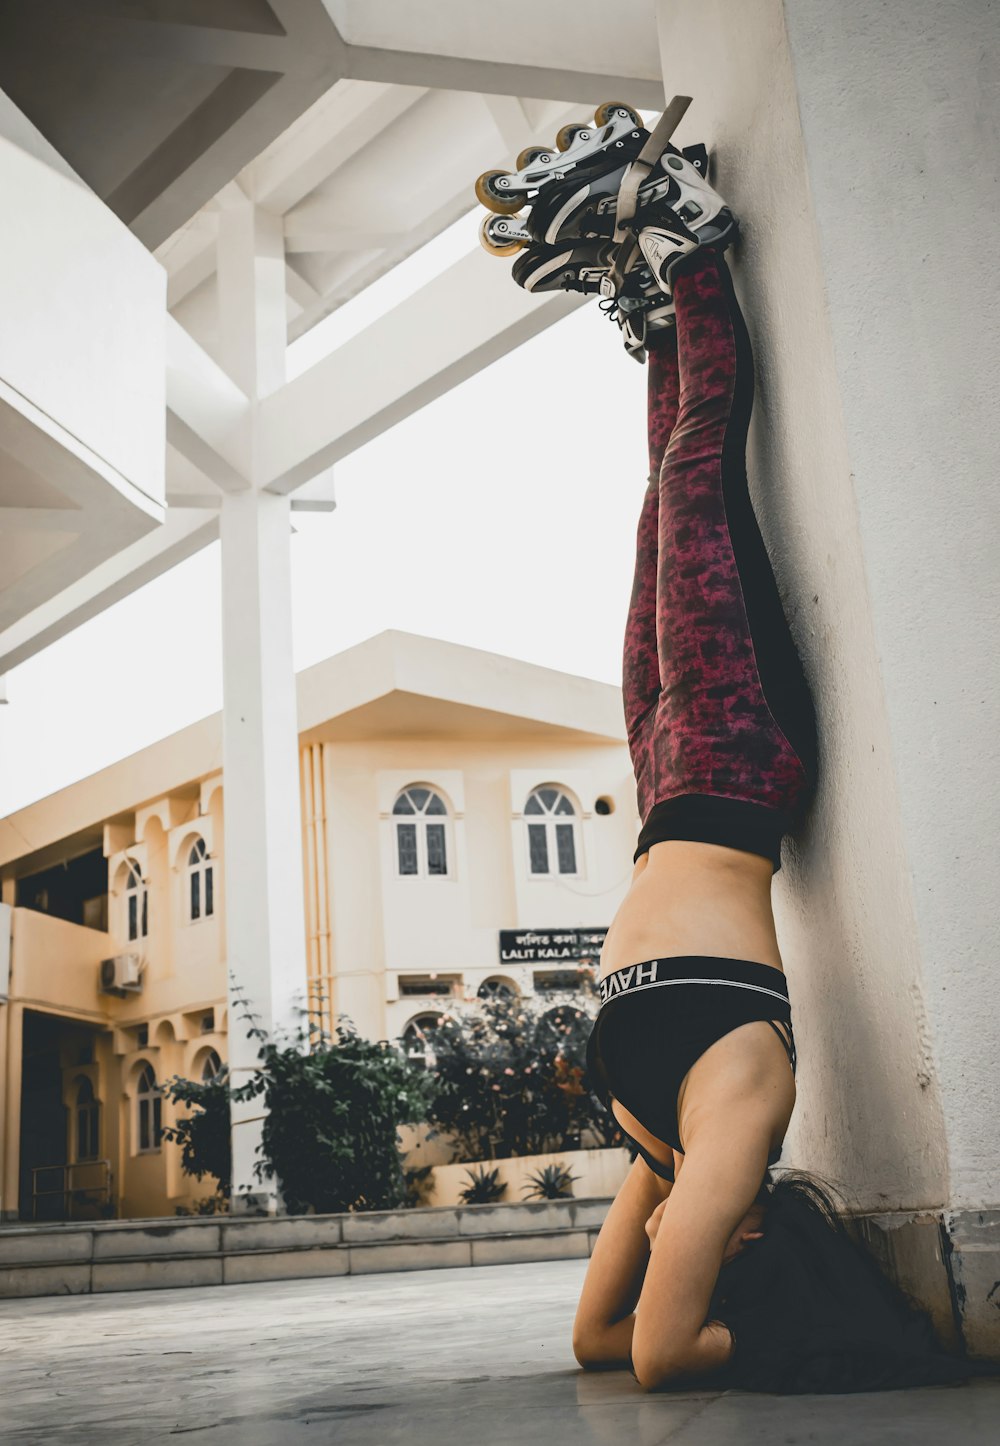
column 628, row 194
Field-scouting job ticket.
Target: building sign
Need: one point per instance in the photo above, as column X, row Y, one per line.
column 550, row 946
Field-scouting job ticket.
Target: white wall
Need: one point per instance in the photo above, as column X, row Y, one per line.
column 869, row 1112
column 385, row 925
column 83, row 305
column 900, row 108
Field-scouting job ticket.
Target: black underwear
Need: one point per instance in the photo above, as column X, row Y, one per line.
column 658, row 1018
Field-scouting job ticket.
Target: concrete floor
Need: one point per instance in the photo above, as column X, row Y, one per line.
column 445, row 1357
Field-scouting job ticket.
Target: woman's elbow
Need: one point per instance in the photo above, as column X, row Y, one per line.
column 587, row 1350
column 654, row 1375
column 599, row 1350
column 654, row 1369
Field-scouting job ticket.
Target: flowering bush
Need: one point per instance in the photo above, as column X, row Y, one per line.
column 510, row 1075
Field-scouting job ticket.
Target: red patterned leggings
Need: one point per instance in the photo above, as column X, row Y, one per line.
column 719, row 715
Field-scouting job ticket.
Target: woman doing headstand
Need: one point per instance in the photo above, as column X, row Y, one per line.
column 692, row 1049
column 704, row 1261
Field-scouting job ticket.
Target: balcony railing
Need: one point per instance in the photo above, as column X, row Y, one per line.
column 81, row 1191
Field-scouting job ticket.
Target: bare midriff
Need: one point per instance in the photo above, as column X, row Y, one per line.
column 694, row 898
column 690, row 898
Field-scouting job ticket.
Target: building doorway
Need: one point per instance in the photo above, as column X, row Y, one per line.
column 61, row 1175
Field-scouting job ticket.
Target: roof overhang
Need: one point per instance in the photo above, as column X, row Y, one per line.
column 395, row 685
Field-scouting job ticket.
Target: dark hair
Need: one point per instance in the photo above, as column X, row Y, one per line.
column 809, row 1309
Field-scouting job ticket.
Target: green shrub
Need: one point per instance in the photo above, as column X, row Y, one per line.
column 204, row 1134
column 333, row 1107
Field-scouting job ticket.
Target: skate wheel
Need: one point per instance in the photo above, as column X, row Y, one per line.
column 493, row 239
column 502, row 202
column 568, row 135
column 531, row 155
column 604, row 112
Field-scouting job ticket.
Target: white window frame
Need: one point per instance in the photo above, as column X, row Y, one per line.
column 550, row 821
column 502, row 982
column 212, row 1056
column 427, row 1054
column 202, row 868
column 135, row 888
column 153, row 1100
column 421, row 820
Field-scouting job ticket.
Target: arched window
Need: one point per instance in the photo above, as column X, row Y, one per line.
column 417, row 1041
column 551, row 831
column 421, row 832
column 560, row 1026
column 201, row 901
column 496, row 987
column 88, row 1121
column 136, row 902
column 148, row 1110
column 211, row 1066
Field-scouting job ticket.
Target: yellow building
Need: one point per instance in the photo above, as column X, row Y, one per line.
column 448, row 796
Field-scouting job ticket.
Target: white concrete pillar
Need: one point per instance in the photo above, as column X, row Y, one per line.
column 900, row 110
column 263, row 868
column 253, row 322
column 853, row 141
column 265, row 926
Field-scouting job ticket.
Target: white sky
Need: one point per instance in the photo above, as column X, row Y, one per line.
column 502, row 516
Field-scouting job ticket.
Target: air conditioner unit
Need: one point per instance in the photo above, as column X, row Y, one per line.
column 122, row 974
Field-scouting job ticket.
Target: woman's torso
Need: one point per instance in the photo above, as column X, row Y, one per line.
column 690, row 899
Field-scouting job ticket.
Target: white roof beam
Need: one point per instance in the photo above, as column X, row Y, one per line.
column 298, row 288
column 319, row 229
column 48, row 519
column 509, row 117
column 328, row 135
column 465, row 319
column 370, row 268
column 187, row 276
column 266, row 114
column 84, row 28
column 445, row 72
column 208, row 417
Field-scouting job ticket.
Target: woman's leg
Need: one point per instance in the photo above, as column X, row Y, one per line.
column 641, row 664
column 730, row 751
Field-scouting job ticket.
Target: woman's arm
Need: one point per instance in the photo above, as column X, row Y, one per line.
column 722, row 1174
column 602, row 1331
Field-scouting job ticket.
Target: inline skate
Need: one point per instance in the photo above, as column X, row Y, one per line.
column 586, row 203
column 613, row 209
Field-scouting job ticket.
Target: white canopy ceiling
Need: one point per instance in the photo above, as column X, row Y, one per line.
column 354, row 129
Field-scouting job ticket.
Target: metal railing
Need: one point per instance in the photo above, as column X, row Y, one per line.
column 82, row 1189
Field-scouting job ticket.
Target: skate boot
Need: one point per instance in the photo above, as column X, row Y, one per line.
column 639, row 308
column 664, row 225
column 664, row 239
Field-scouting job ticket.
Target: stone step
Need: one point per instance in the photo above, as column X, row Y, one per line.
column 79, row 1259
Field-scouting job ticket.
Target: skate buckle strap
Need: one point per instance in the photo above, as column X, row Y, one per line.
column 628, row 194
